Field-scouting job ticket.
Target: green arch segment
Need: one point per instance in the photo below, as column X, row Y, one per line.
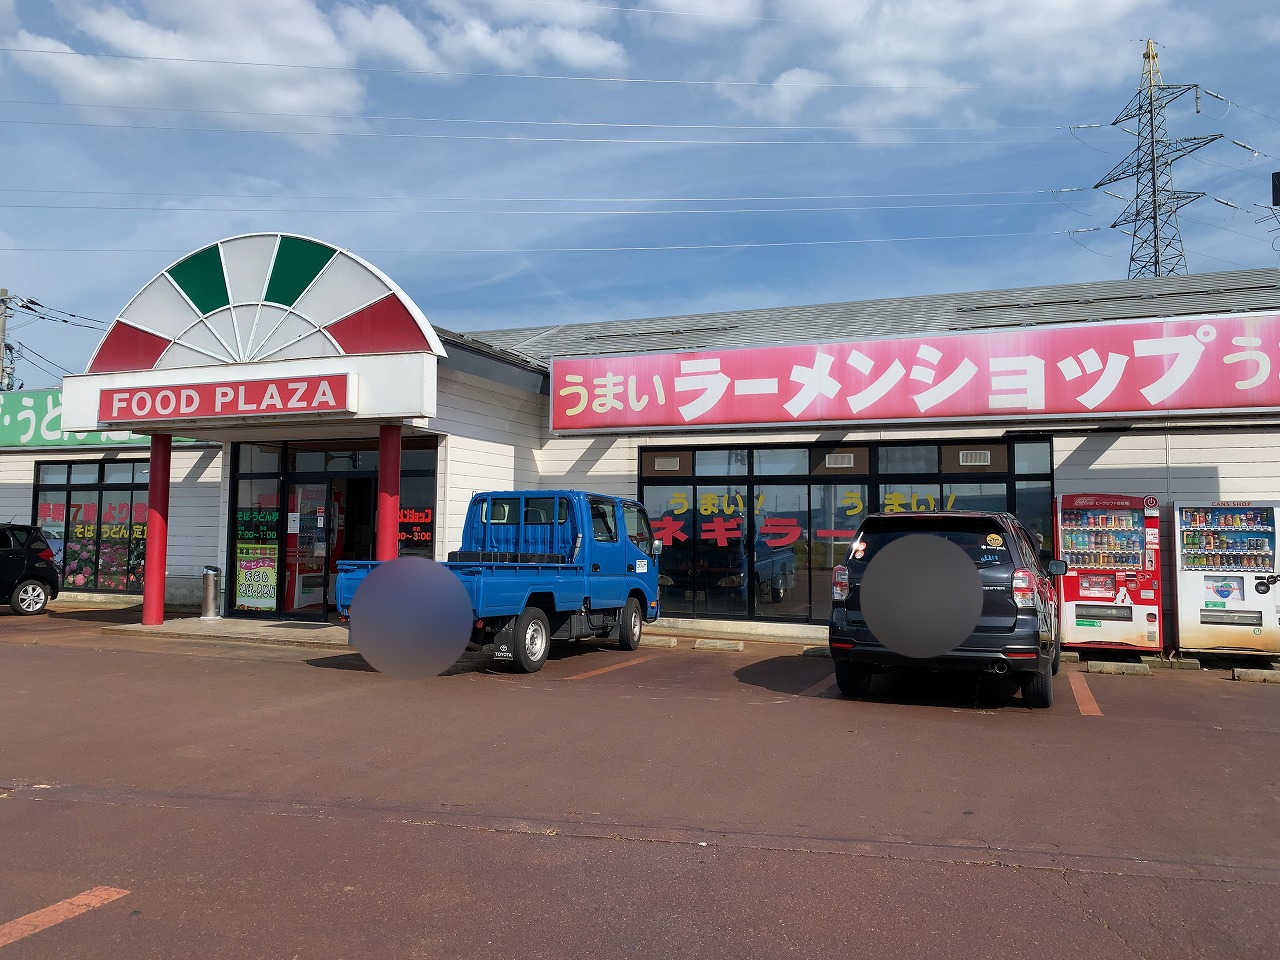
column 200, row 277
column 297, row 263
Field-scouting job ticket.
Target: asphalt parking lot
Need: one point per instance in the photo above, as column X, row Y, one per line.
column 267, row 800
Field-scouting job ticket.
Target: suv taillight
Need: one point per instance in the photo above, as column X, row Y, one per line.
column 839, row 582
column 46, row 554
column 1024, row 588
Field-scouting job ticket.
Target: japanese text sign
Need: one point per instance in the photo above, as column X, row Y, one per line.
column 1140, row 368
column 246, row 398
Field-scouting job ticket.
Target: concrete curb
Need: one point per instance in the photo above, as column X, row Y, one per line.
column 1256, row 676
column 731, row 646
column 160, row 633
column 667, row 642
column 1124, row 669
column 816, row 652
column 1070, row 656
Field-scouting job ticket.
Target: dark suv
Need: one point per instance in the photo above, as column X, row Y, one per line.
column 28, row 573
column 1017, row 628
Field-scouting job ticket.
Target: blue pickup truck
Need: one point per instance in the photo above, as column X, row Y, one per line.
column 543, row 565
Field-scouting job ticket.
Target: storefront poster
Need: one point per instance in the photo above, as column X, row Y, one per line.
column 256, row 576
column 1143, row 368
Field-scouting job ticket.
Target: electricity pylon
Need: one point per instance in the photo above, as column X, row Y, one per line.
column 1153, row 212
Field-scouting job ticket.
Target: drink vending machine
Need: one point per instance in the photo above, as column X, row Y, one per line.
column 1226, row 576
column 1110, row 595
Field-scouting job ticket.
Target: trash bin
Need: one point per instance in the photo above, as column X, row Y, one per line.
column 211, row 608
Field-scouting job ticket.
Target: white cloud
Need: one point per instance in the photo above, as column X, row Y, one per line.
column 784, row 99
column 384, row 33
column 191, row 38
column 584, row 51
column 691, row 19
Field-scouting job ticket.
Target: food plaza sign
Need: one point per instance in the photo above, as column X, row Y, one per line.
column 1130, row 368
column 238, row 399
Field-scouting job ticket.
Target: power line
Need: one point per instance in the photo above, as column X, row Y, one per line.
column 282, row 115
column 410, row 71
column 518, row 138
column 537, row 213
column 618, row 249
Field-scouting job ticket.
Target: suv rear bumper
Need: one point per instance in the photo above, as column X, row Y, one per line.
column 1018, row 651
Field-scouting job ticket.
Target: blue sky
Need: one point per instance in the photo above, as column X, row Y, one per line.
column 521, row 162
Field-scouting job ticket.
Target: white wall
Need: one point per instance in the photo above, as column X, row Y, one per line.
column 489, row 436
column 197, row 522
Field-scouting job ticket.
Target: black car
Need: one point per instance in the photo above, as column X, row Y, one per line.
column 28, row 573
column 1017, row 627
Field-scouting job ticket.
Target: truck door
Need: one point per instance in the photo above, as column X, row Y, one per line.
column 607, row 577
column 642, row 565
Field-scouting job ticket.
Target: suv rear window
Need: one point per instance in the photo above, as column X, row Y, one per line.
column 984, row 540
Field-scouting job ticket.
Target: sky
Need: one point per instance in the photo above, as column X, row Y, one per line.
column 533, row 162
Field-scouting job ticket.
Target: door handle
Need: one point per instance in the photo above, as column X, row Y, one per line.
column 631, row 568
column 595, row 568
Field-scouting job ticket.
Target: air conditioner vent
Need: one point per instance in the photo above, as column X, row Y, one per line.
column 839, row 461
column 666, row 464
column 975, row 458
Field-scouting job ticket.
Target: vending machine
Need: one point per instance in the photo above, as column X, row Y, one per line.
column 1110, row 595
column 1226, row 576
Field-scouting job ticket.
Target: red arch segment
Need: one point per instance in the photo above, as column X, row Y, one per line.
column 385, row 326
column 128, row 348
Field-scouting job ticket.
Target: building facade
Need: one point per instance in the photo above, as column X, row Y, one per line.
column 312, row 414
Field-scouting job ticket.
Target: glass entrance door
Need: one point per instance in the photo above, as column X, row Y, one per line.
column 307, row 549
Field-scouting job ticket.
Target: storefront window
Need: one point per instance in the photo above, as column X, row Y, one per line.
column 787, row 463
column 672, row 517
column 730, row 548
column 1032, row 457
column 975, row 496
column 909, row 459
column 257, row 544
column 1034, row 508
column 836, row 512
column 94, row 514
column 720, row 463
column 912, row 498
column 780, row 555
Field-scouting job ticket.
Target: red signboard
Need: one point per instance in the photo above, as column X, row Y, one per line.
column 239, row 398
column 1143, row 368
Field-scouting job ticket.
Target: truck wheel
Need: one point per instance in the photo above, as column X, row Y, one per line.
column 629, row 629
column 532, row 640
column 778, row 594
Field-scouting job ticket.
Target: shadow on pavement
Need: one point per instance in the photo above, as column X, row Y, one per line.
column 937, row 688
column 785, row 674
column 342, row 661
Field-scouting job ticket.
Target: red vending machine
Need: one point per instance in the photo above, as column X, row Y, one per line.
column 1110, row 596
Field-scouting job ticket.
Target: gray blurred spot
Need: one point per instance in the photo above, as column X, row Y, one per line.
column 921, row 596
column 411, row 618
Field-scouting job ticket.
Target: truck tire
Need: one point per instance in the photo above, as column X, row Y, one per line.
column 630, row 627
column 532, row 640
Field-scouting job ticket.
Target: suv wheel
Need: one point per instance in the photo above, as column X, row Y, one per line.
column 1037, row 690
column 29, row 597
column 853, row 679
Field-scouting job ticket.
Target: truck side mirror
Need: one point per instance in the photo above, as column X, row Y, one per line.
column 657, row 548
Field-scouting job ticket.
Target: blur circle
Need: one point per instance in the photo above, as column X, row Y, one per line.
column 921, row 596
column 411, row 618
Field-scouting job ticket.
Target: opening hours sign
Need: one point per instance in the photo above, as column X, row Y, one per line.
column 1135, row 369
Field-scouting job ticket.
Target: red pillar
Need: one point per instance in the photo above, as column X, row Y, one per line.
column 387, row 541
column 153, row 573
